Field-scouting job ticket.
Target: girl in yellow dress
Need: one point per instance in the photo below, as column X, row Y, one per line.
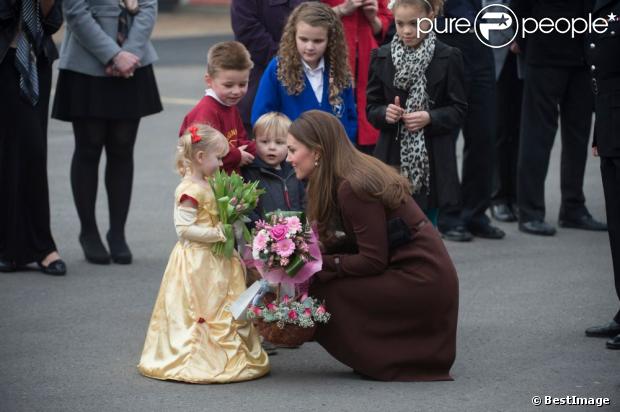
column 192, row 336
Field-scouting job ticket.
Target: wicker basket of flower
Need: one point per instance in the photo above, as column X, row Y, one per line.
column 289, row 322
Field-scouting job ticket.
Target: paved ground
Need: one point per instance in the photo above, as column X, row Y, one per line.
column 72, row 343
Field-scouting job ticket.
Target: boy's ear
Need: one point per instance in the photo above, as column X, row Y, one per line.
column 208, row 79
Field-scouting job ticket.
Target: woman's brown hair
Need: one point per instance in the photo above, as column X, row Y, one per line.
column 290, row 67
column 338, row 160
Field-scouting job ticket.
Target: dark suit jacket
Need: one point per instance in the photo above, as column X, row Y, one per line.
column 603, row 54
column 448, row 106
column 9, row 21
column 552, row 49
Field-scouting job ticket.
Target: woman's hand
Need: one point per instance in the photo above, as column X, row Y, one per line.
column 370, row 8
column 416, row 120
column 348, row 7
column 394, row 112
column 124, row 64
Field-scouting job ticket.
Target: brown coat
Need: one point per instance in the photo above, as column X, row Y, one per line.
column 394, row 313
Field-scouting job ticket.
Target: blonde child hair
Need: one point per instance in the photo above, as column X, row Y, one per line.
column 290, row 68
column 228, row 55
column 198, row 137
column 272, row 124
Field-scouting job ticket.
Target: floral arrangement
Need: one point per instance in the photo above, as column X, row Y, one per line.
column 304, row 312
column 283, row 246
column 235, row 200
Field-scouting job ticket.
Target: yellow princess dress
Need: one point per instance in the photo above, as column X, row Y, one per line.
column 192, row 336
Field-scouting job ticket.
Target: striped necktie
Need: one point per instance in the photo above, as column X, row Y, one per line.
column 28, row 43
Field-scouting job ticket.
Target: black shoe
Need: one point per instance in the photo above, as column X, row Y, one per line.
column 55, row 268
column 613, row 343
column 585, row 222
column 119, row 250
column 606, row 331
column 93, row 248
column 486, row 231
column 6, row 266
column 537, row 227
column 269, row 348
column 456, row 234
column 503, row 212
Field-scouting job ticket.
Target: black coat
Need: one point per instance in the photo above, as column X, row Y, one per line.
column 448, row 106
column 283, row 190
column 9, row 21
column 551, row 49
column 603, row 55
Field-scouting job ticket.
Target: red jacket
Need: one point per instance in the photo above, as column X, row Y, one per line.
column 227, row 120
column 360, row 41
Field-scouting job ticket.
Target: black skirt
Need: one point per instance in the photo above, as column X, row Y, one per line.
column 80, row 95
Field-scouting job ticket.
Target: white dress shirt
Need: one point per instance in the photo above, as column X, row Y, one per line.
column 315, row 76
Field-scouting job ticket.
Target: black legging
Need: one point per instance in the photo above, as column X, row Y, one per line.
column 118, row 138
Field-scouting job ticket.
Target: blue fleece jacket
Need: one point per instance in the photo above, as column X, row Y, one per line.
column 272, row 96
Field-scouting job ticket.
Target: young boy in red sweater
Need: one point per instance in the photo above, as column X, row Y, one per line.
column 228, row 73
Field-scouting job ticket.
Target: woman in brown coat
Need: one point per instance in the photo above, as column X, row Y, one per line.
column 387, row 278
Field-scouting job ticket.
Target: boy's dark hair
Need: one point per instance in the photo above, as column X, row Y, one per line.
column 228, row 55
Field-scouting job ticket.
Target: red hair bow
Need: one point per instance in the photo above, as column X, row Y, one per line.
column 194, row 132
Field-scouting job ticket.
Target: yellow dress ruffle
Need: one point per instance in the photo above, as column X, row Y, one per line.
column 192, row 336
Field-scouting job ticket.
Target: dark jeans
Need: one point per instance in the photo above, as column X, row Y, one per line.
column 610, row 172
column 546, row 89
column 478, row 133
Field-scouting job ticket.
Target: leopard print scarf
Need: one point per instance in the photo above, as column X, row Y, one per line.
column 410, row 75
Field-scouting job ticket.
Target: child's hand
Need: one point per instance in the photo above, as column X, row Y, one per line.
column 246, row 157
column 416, row 120
column 595, row 151
column 394, row 112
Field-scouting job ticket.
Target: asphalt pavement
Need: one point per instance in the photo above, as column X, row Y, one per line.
column 72, row 343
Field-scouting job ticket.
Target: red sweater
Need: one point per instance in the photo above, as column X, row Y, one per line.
column 227, row 120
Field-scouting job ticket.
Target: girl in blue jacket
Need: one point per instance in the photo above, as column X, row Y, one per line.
column 311, row 70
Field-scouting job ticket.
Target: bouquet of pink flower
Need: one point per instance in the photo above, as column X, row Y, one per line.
column 285, row 249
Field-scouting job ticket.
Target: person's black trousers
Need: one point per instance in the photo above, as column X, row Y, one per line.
column 478, row 133
column 509, row 93
column 610, row 172
column 545, row 90
column 25, row 234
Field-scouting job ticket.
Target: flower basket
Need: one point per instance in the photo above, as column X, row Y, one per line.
column 287, row 335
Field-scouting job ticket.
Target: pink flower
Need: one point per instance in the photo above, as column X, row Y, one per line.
column 278, row 232
column 285, row 299
column 257, row 311
column 292, row 314
column 303, row 297
column 294, row 224
column 285, row 248
column 233, row 201
column 271, row 306
column 308, row 312
column 260, row 241
column 284, row 261
column 321, row 310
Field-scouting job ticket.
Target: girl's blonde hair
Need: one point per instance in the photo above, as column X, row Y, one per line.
column 290, row 68
column 228, row 55
column 272, row 124
column 198, row 137
column 435, row 6
column 338, row 160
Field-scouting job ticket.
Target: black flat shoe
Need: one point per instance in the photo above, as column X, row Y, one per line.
column 537, row 227
column 486, row 231
column 585, row 222
column 606, row 331
column 7, row 267
column 456, row 234
column 93, row 248
column 613, row 343
column 119, row 250
column 55, row 268
column 503, row 213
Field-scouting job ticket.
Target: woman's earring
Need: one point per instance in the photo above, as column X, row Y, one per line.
column 316, row 163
